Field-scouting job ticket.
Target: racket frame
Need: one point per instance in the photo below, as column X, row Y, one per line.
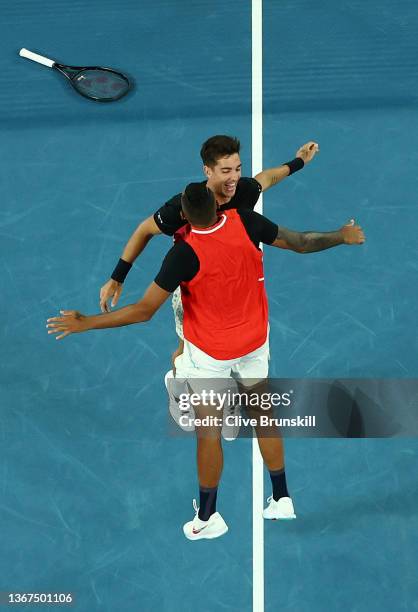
column 71, row 73
column 77, row 69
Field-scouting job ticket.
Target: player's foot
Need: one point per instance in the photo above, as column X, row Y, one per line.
column 174, row 389
column 199, row 530
column 231, row 424
column 282, row 509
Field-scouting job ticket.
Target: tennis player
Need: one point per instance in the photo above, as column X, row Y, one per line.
column 222, row 167
column 225, row 323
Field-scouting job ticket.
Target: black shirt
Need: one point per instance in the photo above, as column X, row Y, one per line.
column 168, row 217
column 182, row 264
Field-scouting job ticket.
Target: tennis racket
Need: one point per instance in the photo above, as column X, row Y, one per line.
column 93, row 82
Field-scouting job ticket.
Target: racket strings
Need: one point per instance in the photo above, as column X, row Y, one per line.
column 100, row 83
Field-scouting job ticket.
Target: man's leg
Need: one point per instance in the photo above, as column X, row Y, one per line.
column 175, row 389
column 209, row 460
column 271, row 447
column 207, row 523
column 209, row 469
column 272, row 451
column 269, row 440
column 250, row 368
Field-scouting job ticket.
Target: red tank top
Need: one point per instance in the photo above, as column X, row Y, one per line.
column 225, row 304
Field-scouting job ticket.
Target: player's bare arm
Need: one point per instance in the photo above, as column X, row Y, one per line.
column 73, row 322
column 270, row 177
column 134, row 247
column 311, row 242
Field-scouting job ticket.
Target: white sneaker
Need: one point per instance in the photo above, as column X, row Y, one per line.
column 199, row 530
column 230, row 430
column 282, row 509
column 174, row 390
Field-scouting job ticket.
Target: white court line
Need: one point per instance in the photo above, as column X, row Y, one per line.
column 257, row 166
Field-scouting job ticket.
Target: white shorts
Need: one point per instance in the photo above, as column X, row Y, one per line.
column 249, row 369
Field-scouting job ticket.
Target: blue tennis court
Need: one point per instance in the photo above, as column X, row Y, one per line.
column 94, row 492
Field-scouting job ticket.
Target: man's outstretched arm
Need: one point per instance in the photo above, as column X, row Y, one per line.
column 112, row 289
column 270, row 177
column 72, row 321
column 311, row 242
column 139, row 239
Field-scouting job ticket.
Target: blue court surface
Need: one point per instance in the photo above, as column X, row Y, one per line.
column 94, row 492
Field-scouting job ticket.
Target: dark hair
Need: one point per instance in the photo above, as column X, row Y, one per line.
column 198, row 203
column 218, row 146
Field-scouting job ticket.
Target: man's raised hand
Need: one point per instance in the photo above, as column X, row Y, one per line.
column 352, row 233
column 308, row 151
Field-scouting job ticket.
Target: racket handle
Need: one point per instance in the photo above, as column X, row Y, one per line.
column 36, row 58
